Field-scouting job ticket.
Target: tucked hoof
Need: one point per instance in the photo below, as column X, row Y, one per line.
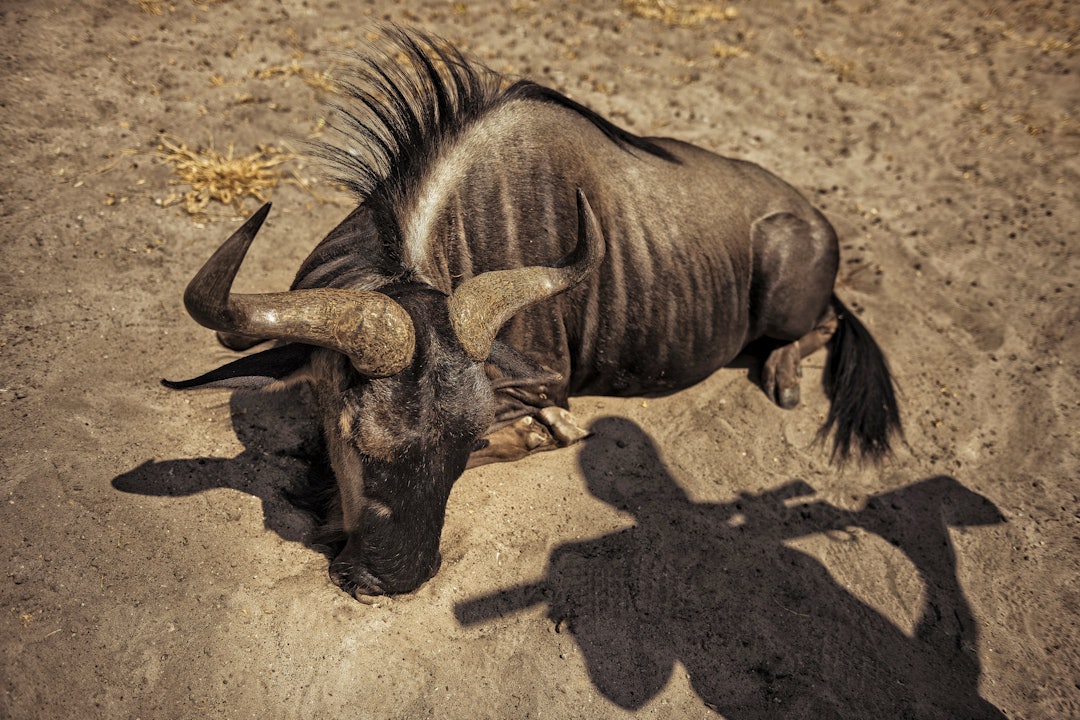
column 523, row 437
column 531, row 435
column 552, row 428
column 562, row 425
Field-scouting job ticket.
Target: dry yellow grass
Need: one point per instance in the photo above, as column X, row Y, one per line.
column 681, row 14
column 321, row 80
column 726, row 52
column 157, row 7
column 219, row 177
column 222, row 177
column 844, row 68
column 153, row 7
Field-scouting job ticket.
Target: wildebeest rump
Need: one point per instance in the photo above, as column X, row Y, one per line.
column 512, row 248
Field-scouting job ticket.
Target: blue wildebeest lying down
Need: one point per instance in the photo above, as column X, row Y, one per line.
column 512, row 248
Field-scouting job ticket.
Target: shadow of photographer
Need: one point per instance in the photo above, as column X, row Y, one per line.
column 763, row 629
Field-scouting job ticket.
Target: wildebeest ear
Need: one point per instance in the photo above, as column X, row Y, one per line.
column 267, row 370
column 512, row 367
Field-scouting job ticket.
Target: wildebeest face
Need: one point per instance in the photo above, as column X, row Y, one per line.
column 396, row 445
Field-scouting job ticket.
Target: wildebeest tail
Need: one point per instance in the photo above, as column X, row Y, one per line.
column 863, row 413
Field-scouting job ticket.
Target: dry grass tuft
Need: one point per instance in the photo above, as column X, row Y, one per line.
column 158, row 7
column 681, row 14
column 219, row 177
column 726, row 52
column 151, row 7
column 321, row 80
column 845, row 69
column 222, row 177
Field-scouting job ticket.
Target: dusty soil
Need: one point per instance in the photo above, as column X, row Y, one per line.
column 698, row 555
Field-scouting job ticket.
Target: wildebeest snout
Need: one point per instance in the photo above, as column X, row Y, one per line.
column 359, row 576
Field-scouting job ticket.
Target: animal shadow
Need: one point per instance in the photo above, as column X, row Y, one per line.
column 283, row 464
column 763, row 630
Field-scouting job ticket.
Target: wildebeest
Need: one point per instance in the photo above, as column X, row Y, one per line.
column 512, row 248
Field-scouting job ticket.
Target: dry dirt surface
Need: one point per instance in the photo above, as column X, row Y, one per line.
column 698, row 556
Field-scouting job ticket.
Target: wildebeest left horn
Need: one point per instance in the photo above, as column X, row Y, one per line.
column 373, row 330
column 483, row 304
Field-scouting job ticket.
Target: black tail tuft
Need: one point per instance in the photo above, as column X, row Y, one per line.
column 863, row 411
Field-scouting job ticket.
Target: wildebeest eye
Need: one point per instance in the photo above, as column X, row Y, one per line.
column 480, row 444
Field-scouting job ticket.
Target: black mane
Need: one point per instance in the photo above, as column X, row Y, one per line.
column 411, row 95
column 527, row 90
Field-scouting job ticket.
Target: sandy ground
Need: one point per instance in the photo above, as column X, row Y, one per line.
column 698, row 555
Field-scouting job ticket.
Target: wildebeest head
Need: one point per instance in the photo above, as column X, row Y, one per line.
column 399, row 379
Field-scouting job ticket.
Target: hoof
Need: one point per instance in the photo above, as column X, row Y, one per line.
column 563, row 425
column 788, row 398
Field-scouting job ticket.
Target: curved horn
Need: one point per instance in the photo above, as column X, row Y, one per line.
column 482, row 304
column 373, row 330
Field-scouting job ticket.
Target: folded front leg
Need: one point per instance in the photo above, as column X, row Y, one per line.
column 548, row 429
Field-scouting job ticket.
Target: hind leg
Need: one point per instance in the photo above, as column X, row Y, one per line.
column 781, row 372
column 795, row 263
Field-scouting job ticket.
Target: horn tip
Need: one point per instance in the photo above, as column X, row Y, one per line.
column 262, row 212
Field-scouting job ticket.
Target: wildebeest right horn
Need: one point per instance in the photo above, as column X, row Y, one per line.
column 484, row 303
column 374, row 331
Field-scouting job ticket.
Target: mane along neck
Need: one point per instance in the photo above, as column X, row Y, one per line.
column 404, row 140
column 407, row 101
